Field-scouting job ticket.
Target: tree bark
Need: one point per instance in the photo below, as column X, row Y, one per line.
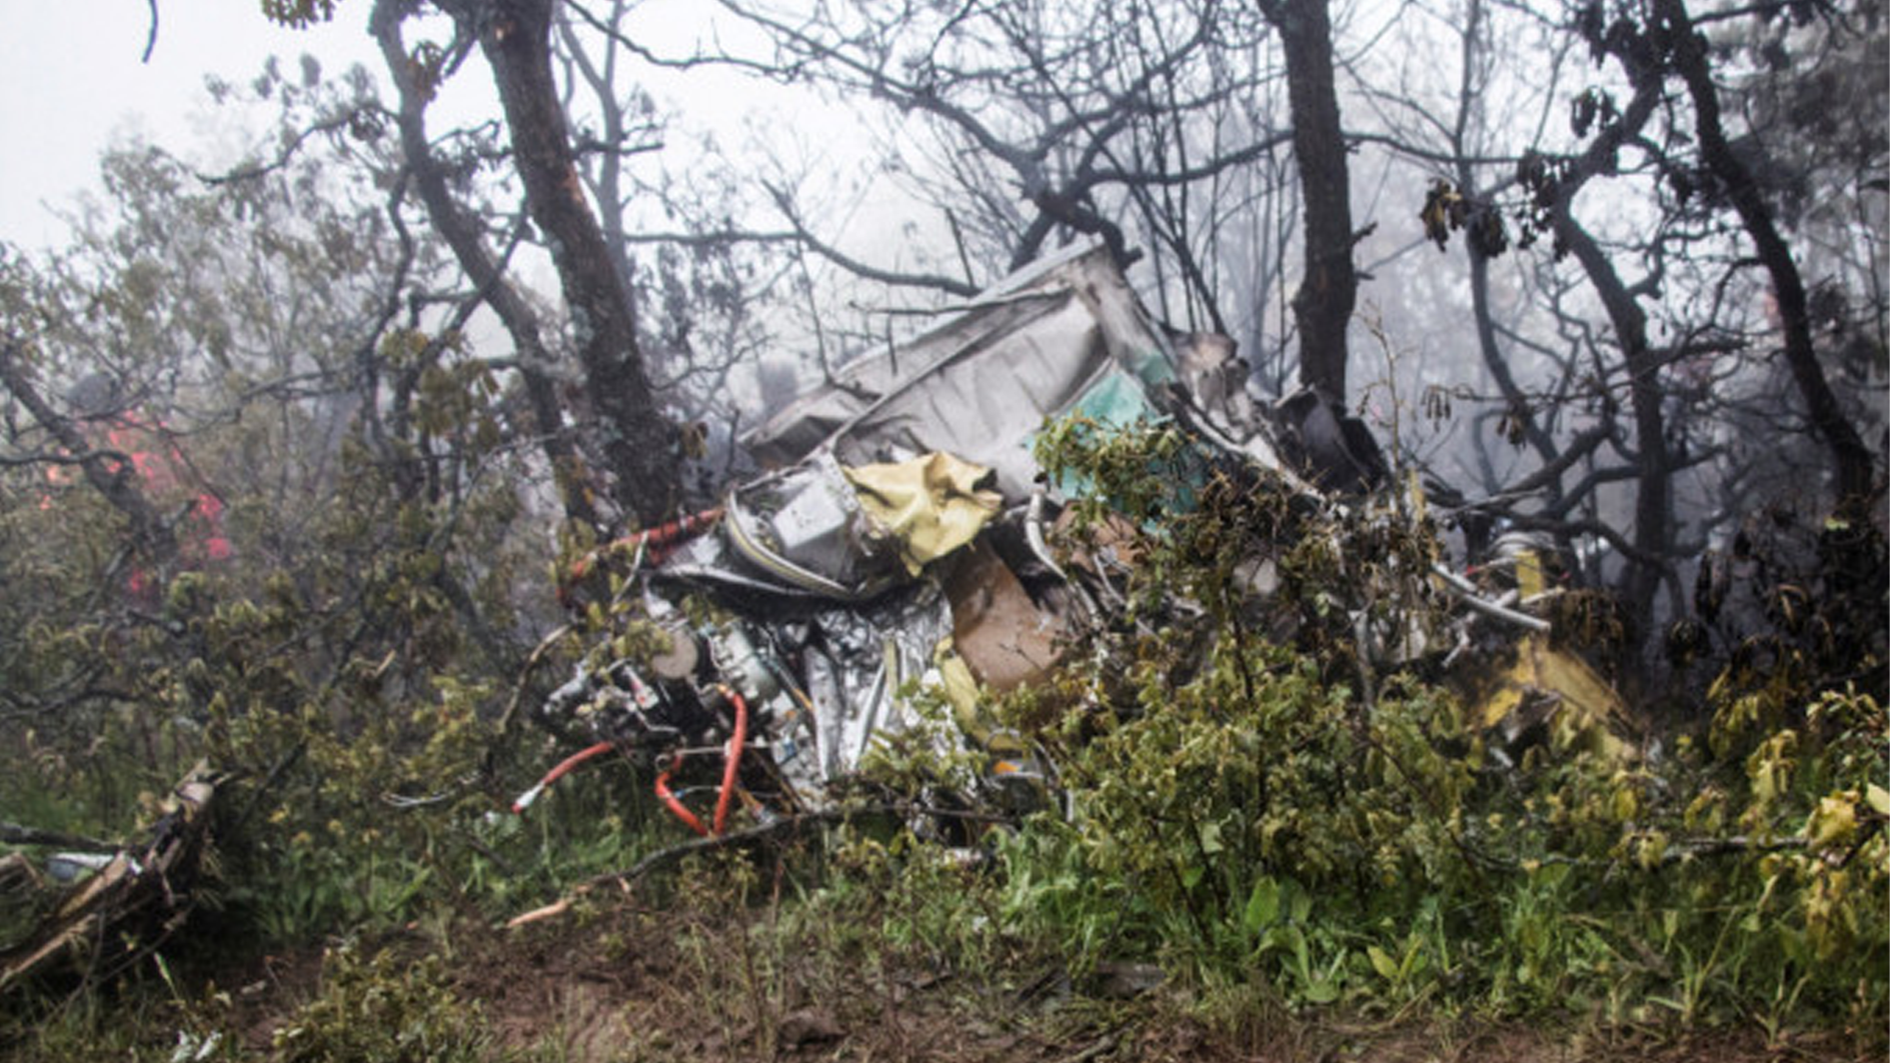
column 462, row 236
column 1653, row 498
column 1653, row 495
column 1850, row 458
column 1328, row 290
column 639, row 443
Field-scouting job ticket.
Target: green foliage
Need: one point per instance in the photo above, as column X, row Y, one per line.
column 92, row 1029
column 1246, row 809
column 346, row 656
column 382, row 1011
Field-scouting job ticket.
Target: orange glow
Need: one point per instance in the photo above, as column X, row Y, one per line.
column 165, row 475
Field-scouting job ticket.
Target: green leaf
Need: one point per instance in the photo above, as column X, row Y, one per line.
column 1301, row 905
column 1263, row 906
column 1382, row 962
column 1302, row 955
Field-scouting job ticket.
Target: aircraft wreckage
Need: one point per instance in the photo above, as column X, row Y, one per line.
column 900, row 543
column 901, row 546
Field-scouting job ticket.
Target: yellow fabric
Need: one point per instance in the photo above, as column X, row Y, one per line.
column 932, row 504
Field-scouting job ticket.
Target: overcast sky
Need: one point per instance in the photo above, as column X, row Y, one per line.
column 71, row 80
column 72, row 83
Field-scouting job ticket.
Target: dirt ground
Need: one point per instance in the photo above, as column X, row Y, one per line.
column 625, row 986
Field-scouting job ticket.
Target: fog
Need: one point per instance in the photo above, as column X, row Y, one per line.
column 795, row 186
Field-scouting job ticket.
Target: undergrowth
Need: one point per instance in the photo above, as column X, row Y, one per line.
column 1250, row 799
column 1249, row 812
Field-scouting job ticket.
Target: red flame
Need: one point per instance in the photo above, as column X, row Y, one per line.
column 163, row 472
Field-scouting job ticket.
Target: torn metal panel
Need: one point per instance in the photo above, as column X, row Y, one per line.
column 1535, row 692
column 863, row 658
column 979, row 385
column 1330, row 447
column 804, row 528
column 151, row 879
column 985, row 403
column 818, row 415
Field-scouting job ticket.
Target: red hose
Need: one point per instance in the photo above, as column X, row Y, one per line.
column 731, row 771
column 731, row 774
column 564, row 767
column 669, row 799
column 664, row 539
column 658, row 541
